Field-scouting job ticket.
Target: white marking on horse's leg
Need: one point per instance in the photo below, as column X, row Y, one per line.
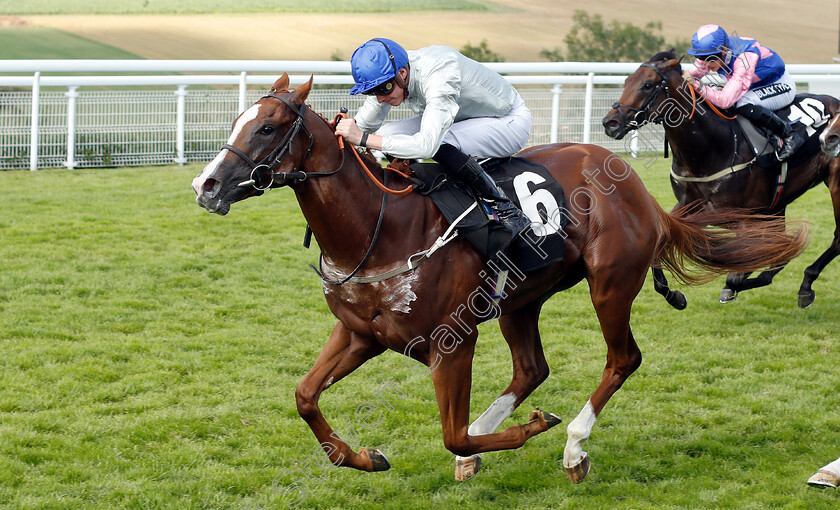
column 578, row 432
column 834, row 467
column 246, row 117
column 490, row 419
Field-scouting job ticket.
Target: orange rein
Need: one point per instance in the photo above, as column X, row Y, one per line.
column 713, row 107
column 408, row 189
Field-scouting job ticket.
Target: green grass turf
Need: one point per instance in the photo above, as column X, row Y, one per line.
column 41, row 42
column 234, row 6
column 149, row 353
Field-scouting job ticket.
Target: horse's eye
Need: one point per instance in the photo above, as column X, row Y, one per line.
column 647, row 85
column 266, row 130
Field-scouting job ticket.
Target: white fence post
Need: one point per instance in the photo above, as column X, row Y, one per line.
column 634, row 144
column 556, row 90
column 71, row 126
column 587, row 109
column 181, row 119
column 243, row 91
column 36, row 106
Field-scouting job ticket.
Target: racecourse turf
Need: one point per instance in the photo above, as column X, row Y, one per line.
column 149, row 353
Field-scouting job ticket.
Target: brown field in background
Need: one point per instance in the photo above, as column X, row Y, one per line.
column 803, row 32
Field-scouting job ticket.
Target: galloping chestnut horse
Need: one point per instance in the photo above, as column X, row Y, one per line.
column 704, row 145
column 430, row 311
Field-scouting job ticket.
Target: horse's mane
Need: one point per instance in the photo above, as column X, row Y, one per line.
column 663, row 56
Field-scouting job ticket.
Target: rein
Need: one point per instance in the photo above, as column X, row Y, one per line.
column 263, row 176
column 709, row 103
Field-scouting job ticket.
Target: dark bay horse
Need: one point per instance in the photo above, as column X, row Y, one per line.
column 430, row 311
column 704, row 145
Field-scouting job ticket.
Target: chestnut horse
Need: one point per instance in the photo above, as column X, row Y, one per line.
column 704, row 145
column 430, row 311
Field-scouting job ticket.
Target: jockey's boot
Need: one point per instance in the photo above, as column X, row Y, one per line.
column 509, row 215
column 468, row 171
column 791, row 140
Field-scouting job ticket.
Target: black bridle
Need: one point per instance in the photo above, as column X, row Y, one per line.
column 641, row 115
column 263, row 175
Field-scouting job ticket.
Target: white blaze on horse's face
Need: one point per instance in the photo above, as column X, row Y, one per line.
column 829, row 142
column 246, row 117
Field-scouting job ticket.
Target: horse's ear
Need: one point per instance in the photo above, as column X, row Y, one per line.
column 302, row 92
column 281, row 85
column 667, row 65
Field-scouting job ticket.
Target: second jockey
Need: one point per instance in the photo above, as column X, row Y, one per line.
column 757, row 82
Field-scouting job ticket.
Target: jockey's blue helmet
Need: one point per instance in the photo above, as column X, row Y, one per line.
column 376, row 62
column 709, row 40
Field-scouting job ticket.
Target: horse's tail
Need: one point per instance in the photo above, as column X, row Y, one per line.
column 723, row 241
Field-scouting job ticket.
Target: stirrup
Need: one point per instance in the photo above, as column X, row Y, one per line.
column 790, row 144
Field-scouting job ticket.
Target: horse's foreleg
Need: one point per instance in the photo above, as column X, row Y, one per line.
column 806, row 295
column 344, row 352
column 530, row 369
column 674, row 297
column 613, row 299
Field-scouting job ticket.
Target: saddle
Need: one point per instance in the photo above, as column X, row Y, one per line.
column 523, row 182
column 806, row 114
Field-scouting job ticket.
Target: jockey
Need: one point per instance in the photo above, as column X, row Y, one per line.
column 757, row 82
column 461, row 108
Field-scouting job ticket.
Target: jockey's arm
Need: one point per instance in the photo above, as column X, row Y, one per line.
column 737, row 84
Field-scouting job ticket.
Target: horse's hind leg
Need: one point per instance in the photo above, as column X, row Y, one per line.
column 344, row 352
column 530, row 369
column 674, row 298
column 806, row 295
column 612, row 294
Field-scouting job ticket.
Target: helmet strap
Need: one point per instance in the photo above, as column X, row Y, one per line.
column 403, row 83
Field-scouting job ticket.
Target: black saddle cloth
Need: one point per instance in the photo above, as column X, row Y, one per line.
column 521, row 180
column 807, row 115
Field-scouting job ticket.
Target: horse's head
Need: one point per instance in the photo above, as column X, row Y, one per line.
column 830, row 137
column 264, row 150
column 643, row 93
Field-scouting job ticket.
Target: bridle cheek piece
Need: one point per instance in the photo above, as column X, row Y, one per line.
column 262, row 174
column 641, row 115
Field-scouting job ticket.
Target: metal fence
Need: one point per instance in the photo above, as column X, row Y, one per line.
column 187, row 118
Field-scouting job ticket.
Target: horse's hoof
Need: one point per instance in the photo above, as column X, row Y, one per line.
column 824, row 479
column 577, row 473
column 551, row 419
column 727, row 296
column 676, row 299
column 377, row 459
column 467, row 467
column 806, row 298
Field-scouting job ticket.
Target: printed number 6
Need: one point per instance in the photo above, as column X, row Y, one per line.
column 529, row 202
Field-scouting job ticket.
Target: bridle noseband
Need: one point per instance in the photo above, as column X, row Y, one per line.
column 641, row 116
column 263, row 175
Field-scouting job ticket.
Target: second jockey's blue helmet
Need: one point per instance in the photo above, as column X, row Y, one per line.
column 709, row 40
column 376, row 62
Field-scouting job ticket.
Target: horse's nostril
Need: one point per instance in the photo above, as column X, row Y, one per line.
column 209, row 184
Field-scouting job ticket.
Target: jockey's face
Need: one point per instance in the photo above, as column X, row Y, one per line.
column 397, row 95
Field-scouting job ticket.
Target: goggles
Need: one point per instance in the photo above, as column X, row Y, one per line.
column 383, row 89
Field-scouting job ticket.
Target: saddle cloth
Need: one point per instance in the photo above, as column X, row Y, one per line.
column 806, row 114
column 523, row 182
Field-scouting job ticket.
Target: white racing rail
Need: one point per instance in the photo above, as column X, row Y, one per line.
column 153, row 127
